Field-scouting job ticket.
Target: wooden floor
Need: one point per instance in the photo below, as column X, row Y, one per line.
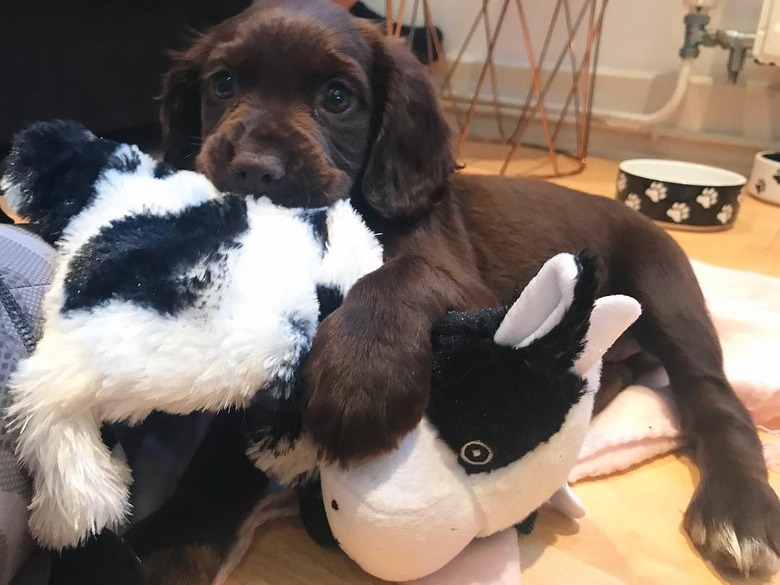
column 632, row 531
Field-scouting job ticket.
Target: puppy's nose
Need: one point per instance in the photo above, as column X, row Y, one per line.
column 256, row 173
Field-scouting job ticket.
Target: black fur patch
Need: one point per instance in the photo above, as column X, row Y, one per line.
column 500, row 400
column 144, row 258
column 329, row 299
column 527, row 526
column 318, row 220
column 163, row 170
column 314, row 517
column 276, row 413
column 125, row 162
column 55, row 166
column 302, row 328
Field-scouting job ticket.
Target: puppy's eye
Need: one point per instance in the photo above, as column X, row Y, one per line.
column 223, row 85
column 336, row 98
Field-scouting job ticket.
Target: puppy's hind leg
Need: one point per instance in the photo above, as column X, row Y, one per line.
column 734, row 516
column 79, row 489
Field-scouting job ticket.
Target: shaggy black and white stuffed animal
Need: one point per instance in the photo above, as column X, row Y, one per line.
column 169, row 296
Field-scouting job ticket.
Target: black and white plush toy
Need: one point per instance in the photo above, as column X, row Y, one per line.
column 169, row 296
column 511, row 400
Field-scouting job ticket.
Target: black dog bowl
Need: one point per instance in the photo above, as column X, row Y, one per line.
column 681, row 194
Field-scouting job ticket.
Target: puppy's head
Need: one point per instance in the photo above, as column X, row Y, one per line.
column 300, row 102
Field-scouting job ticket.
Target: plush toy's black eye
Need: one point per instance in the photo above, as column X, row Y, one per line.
column 336, row 97
column 476, row 453
column 223, row 85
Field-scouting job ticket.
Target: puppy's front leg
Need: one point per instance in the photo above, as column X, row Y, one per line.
column 369, row 370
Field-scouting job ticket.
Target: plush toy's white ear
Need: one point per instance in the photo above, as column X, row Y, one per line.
column 542, row 304
column 611, row 316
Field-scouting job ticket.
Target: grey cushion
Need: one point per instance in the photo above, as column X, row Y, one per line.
column 26, row 265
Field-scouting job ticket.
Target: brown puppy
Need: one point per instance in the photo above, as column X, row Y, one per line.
column 298, row 101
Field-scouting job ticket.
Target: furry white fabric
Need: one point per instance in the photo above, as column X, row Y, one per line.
column 406, row 515
column 251, row 315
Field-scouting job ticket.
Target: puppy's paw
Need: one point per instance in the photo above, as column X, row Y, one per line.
column 367, row 386
column 66, row 515
column 736, row 525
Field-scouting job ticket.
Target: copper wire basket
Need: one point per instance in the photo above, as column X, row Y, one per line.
column 543, row 136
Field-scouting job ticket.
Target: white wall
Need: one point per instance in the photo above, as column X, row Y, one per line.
column 637, row 64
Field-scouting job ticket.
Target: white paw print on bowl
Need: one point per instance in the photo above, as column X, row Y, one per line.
column 726, row 213
column 708, row 198
column 622, row 182
column 679, row 212
column 633, row 201
column 656, row 191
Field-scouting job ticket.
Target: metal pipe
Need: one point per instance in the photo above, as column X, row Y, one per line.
column 739, row 45
column 696, row 35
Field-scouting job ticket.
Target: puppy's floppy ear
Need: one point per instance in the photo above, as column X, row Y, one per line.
column 411, row 156
column 180, row 106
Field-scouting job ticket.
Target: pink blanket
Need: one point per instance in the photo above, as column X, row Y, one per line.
column 641, row 422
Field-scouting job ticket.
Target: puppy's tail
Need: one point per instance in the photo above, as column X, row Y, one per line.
column 50, row 174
